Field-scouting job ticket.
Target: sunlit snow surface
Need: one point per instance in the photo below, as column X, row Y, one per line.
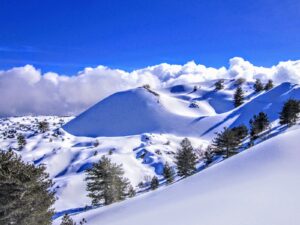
column 257, row 187
column 142, row 129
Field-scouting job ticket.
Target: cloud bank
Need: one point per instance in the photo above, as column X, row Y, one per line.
column 26, row 91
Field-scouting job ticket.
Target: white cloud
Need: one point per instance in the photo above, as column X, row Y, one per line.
column 25, row 90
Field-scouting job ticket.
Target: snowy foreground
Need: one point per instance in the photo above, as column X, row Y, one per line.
column 256, row 187
column 142, row 128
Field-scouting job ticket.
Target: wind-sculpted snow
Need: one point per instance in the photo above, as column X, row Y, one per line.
column 270, row 102
column 257, row 187
column 67, row 157
column 134, row 112
column 139, row 111
column 141, row 129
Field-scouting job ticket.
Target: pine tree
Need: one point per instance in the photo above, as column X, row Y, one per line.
column 208, row 155
column 24, row 192
column 219, row 85
column 105, row 182
column 240, row 131
column 43, row 126
column 131, row 191
column 269, row 85
column 154, row 183
column 238, row 97
column 239, row 81
column 21, row 141
column 226, row 143
column 168, row 173
column 258, row 86
column 186, row 159
column 258, row 124
column 290, row 112
column 67, row 220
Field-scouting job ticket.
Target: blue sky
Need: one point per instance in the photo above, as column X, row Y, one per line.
column 66, row 36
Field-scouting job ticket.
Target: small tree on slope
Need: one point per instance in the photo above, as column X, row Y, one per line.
column 240, row 132
column 290, row 112
column 269, row 85
column 21, row 141
column 105, row 182
column 131, row 191
column 168, row 173
column 208, row 155
column 258, row 124
column 24, row 195
column 226, row 143
column 258, row 86
column 186, row 159
column 67, row 220
column 154, row 183
column 219, row 85
column 238, row 97
column 43, row 126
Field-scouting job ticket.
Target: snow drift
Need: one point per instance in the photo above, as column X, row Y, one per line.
column 131, row 112
column 257, row 187
column 141, row 110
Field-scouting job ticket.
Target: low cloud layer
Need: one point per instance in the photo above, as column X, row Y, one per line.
column 26, row 91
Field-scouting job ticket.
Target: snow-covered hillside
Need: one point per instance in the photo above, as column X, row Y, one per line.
column 67, row 157
column 257, row 187
column 141, row 129
column 195, row 110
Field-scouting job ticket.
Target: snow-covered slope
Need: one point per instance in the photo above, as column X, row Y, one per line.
column 257, row 187
column 66, row 157
column 126, row 113
column 142, row 128
column 135, row 112
column 169, row 111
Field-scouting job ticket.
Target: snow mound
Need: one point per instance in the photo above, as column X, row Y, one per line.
column 133, row 112
column 141, row 110
column 125, row 113
column 257, row 187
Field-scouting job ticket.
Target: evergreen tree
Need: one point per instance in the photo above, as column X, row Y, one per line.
column 240, row 131
column 238, row 97
column 186, row 159
column 226, row 143
column 168, row 173
column 219, row 85
column 239, row 81
column 131, row 191
column 258, row 86
column 290, row 112
column 258, row 124
column 208, row 155
column 67, row 220
column 21, row 141
column 154, row 183
column 269, row 85
column 105, row 182
column 24, row 195
column 43, row 126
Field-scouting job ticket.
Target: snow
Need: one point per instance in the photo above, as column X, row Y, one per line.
column 141, row 129
column 134, row 112
column 256, row 187
column 139, row 111
column 67, row 157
